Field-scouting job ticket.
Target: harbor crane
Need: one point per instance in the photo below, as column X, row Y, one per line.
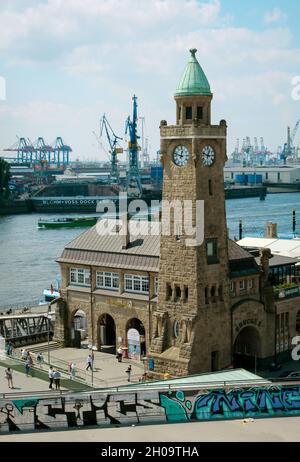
column 39, row 152
column 113, row 140
column 288, row 148
column 134, row 185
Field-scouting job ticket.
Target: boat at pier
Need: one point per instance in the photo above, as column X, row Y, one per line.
column 67, row 222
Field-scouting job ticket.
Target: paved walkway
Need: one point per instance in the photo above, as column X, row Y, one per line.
column 21, row 383
column 107, row 371
column 263, row 430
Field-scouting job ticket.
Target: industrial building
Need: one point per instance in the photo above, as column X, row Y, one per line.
column 285, row 174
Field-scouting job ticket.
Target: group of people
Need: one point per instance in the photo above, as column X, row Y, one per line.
column 72, row 370
column 54, row 376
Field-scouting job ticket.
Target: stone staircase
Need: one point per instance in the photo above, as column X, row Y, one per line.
column 43, row 347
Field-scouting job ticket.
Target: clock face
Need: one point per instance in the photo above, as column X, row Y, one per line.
column 208, row 155
column 181, row 155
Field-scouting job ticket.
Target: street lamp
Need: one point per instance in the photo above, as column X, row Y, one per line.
column 48, row 317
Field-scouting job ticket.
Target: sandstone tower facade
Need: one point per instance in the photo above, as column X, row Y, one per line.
column 191, row 326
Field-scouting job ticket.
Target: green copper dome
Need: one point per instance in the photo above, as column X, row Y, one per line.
column 193, row 81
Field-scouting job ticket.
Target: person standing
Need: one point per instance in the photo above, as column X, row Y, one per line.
column 9, row 377
column 89, row 362
column 40, row 359
column 128, row 372
column 73, row 370
column 27, row 366
column 50, row 375
column 119, row 354
column 56, row 376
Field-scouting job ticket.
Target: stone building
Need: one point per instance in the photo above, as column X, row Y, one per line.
column 187, row 305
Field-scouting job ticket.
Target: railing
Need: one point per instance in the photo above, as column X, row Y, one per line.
column 287, row 292
column 19, row 306
column 81, row 376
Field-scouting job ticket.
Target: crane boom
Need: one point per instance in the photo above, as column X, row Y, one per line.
column 112, row 139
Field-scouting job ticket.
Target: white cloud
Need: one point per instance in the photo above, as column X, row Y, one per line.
column 113, row 48
column 276, row 15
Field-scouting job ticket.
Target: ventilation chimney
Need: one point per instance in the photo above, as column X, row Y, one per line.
column 271, row 230
column 125, row 231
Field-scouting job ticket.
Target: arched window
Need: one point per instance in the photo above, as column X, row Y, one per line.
column 298, row 321
column 206, row 295
column 178, row 293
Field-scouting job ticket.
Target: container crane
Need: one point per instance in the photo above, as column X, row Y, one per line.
column 24, row 149
column 112, row 139
column 134, row 186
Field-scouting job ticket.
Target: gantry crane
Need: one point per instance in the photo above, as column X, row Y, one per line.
column 134, row 185
column 113, row 140
column 56, row 153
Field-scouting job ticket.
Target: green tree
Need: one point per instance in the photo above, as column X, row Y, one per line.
column 4, row 177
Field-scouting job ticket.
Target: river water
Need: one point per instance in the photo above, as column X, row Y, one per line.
column 27, row 254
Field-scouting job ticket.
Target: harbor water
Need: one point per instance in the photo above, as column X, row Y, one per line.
column 28, row 254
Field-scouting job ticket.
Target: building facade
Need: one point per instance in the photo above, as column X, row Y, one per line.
column 186, row 305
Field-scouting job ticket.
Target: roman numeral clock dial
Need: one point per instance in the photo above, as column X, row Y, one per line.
column 208, row 156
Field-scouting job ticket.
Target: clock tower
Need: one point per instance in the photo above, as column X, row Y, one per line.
column 191, row 324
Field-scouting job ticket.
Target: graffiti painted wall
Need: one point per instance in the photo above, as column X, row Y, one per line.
column 78, row 410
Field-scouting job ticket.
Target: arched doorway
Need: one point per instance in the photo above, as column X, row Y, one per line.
column 136, row 339
column 247, row 348
column 107, row 334
column 78, row 328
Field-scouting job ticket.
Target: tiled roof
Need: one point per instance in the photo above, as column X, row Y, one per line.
column 236, row 252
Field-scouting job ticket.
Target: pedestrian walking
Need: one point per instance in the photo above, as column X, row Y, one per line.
column 56, row 377
column 128, row 372
column 9, row 377
column 40, row 359
column 27, row 367
column 119, row 354
column 70, row 366
column 9, row 348
column 89, row 362
column 73, row 370
column 50, row 375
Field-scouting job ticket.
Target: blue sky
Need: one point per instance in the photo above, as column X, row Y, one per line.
column 66, row 62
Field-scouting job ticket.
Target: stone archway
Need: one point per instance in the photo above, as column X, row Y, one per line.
column 136, row 338
column 107, row 333
column 78, row 326
column 80, row 323
column 247, row 348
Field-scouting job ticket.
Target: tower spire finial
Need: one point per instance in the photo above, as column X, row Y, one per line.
column 193, row 51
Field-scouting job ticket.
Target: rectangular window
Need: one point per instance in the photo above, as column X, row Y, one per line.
column 232, row 287
column 278, row 176
column 80, row 276
column 106, row 280
column 212, row 251
column 188, row 112
column 242, row 284
column 199, row 112
column 210, row 187
column 138, row 284
column 250, row 284
column 156, row 285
